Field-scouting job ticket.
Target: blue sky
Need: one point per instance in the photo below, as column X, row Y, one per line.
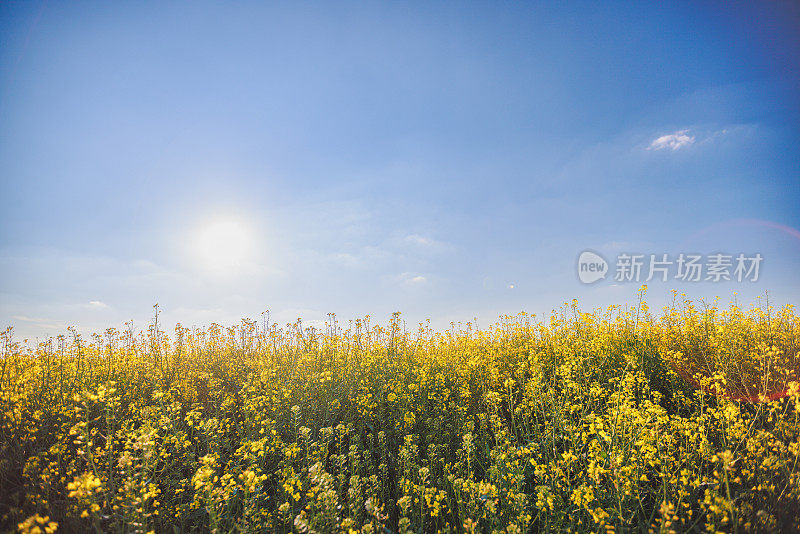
column 446, row 160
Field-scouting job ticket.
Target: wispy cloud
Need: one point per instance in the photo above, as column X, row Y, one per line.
column 98, row 305
column 45, row 323
column 673, row 141
column 421, row 240
column 424, row 244
column 412, row 279
column 364, row 257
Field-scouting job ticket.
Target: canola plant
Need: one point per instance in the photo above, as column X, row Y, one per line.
column 610, row 421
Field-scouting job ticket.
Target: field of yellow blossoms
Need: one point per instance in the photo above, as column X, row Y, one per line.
column 620, row 420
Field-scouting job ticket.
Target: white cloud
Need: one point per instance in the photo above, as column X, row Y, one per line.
column 98, row 305
column 672, row 141
column 412, row 279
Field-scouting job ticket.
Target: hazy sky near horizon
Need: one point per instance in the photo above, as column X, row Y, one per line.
column 448, row 160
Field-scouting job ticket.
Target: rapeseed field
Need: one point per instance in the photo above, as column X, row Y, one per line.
column 618, row 420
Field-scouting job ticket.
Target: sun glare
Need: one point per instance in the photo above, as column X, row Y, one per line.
column 224, row 246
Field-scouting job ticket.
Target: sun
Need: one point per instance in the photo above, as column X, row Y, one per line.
column 224, row 245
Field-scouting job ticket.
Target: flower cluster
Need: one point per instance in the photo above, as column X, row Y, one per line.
column 609, row 421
